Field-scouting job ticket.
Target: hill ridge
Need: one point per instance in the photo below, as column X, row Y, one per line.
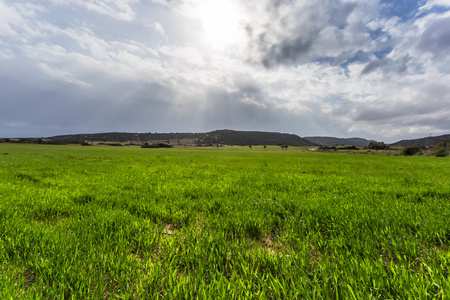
column 223, row 136
column 425, row 141
column 226, row 136
column 335, row 141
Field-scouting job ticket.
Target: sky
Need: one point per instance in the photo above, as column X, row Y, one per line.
column 375, row 69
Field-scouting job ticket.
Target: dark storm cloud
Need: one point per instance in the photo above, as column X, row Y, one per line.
column 374, row 65
column 288, row 39
column 400, row 65
column 436, row 38
column 287, row 52
column 340, row 12
column 388, row 65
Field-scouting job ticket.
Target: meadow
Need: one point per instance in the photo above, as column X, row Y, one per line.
column 230, row 223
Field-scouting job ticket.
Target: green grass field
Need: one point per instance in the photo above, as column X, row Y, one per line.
column 125, row 222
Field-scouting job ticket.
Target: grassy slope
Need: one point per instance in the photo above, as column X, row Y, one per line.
column 95, row 222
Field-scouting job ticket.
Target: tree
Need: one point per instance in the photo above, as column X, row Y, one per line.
column 412, row 150
column 378, row 146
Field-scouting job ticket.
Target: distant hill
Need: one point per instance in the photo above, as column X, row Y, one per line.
column 242, row 138
column 123, row 137
column 227, row 137
column 333, row 141
column 427, row 141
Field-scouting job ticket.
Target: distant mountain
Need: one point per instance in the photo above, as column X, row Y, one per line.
column 427, row 141
column 242, row 138
column 333, row 141
column 227, row 137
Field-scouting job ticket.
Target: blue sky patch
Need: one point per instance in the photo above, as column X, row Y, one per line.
column 404, row 9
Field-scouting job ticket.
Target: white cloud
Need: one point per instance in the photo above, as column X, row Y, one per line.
column 118, row 9
column 188, row 55
column 14, row 21
column 185, row 7
column 433, row 3
column 158, row 28
column 63, row 75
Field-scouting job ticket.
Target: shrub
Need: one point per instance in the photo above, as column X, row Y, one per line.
column 160, row 145
column 412, row 150
column 441, row 152
column 443, row 144
column 378, row 146
column 327, row 148
column 349, row 148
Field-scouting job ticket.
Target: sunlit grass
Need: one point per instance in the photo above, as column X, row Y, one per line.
column 107, row 222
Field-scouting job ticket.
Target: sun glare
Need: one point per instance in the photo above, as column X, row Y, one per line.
column 220, row 19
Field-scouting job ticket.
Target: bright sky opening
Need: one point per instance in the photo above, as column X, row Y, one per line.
column 221, row 20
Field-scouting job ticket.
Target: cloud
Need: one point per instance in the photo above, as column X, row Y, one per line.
column 374, row 65
column 419, row 107
column 188, row 55
column 158, row 28
column 118, row 9
column 436, row 38
column 434, row 3
column 399, row 65
column 312, row 68
column 17, row 21
column 292, row 33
